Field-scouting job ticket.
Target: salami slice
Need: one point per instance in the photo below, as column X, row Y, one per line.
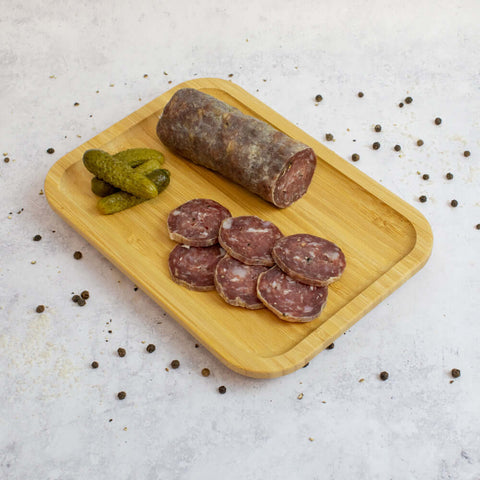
column 194, row 267
column 249, row 239
column 288, row 299
column 197, row 222
column 244, row 149
column 309, row 259
column 237, row 283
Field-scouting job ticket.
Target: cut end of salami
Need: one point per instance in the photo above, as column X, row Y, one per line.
column 249, row 239
column 194, row 267
column 290, row 300
column 197, row 222
column 309, row 259
column 236, row 282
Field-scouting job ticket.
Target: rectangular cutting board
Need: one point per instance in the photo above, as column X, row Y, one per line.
column 385, row 240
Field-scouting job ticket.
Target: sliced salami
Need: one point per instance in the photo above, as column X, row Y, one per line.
column 237, row 283
column 249, row 239
column 244, row 149
column 194, row 267
column 309, row 259
column 288, row 299
column 197, row 222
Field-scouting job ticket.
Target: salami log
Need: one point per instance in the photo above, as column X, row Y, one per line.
column 249, row 239
column 244, row 149
column 309, row 259
column 237, row 283
column 197, row 222
column 194, row 267
column 288, row 299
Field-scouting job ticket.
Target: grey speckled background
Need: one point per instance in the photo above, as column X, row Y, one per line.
column 55, row 410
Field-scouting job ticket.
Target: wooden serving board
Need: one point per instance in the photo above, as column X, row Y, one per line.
column 385, row 240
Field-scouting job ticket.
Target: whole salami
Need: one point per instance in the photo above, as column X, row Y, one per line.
column 288, row 299
column 244, row 149
column 194, row 267
column 237, row 283
column 309, row 259
column 197, row 222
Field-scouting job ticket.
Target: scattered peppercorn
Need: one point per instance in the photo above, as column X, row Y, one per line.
column 425, row 176
column 76, row 298
column 50, row 150
column 383, row 376
column 376, row 145
column 420, row 142
column 175, row 364
column 306, row 365
column 466, row 153
column 422, row 198
column 454, row 203
column 121, row 352
column 151, row 348
column 331, row 346
column 329, row 137
column 145, row 75
column 77, row 255
column 397, row 148
column 81, row 302
column 438, row 121
column 40, row 308
column 400, row 104
column 205, row 372
column 6, row 159
column 409, row 100
column 455, row 372
column 222, row 389
column 85, row 294
column 477, row 226
column 37, row 238
column 318, row 98
column 360, row 94
column 121, row 395
column 76, row 104
column 355, row 157
column 449, row 176
column 94, row 364
column 378, row 128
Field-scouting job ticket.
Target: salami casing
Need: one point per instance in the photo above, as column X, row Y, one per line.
column 244, row 149
column 309, row 259
column 249, row 239
column 194, row 267
column 197, row 222
column 288, row 299
column 237, row 283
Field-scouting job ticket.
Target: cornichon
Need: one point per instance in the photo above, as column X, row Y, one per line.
column 103, row 189
column 122, row 200
column 136, row 156
column 119, row 174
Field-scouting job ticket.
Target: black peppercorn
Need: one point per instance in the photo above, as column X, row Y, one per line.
column 409, row 100
column 81, row 302
column 121, row 395
column 222, row 389
column 318, row 98
column 425, row 176
column 150, row 348
column 420, row 142
column 477, row 226
column 40, row 309
column 466, row 153
column 455, row 372
column 449, row 176
column 329, row 137
column 94, row 364
column 438, row 121
column 383, row 376
column 397, row 148
column 355, row 157
column 422, row 198
column 205, row 372
column 400, row 104
column 6, row 159
column 454, row 203
column 175, row 364
column 76, row 298
column 376, row 145
column 121, row 352
column 50, row 150
column 37, row 238
column 77, row 255
column 331, row 346
column 76, row 104
column 85, row 295
column 378, row 128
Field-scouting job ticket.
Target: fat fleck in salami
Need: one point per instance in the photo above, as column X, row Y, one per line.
column 288, row 299
column 194, row 267
column 249, row 239
column 309, row 259
column 197, row 222
column 237, row 283
column 244, row 149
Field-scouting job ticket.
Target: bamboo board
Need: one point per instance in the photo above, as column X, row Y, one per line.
column 385, row 240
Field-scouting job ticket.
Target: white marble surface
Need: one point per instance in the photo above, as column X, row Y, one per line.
column 55, row 409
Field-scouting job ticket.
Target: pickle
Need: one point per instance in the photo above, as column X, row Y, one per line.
column 103, row 189
column 122, row 200
column 136, row 156
column 119, row 174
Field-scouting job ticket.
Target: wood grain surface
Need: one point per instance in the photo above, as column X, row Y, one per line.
column 385, row 240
